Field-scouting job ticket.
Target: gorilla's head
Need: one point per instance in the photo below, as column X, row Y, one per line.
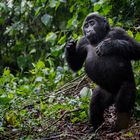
column 95, row 27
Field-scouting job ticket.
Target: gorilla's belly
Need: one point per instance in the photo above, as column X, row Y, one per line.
column 107, row 71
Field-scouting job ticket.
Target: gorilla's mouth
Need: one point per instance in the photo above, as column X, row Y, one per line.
column 91, row 34
column 88, row 34
column 92, row 37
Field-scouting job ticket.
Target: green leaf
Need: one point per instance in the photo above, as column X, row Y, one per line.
column 83, row 115
column 6, row 72
column 62, row 39
column 130, row 134
column 37, row 11
column 46, row 19
column 97, row 6
column 1, row 20
column 51, row 37
column 106, row 9
column 74, row 36
column 40, row 64
column 72, row 8
column 23, row 112
column 2, row 6
column 73, row 22
column 11, row 118
column 137, row 37
column 85, row 92
column 130, row 33
column 39, row 79
column 2, row 129
column 51, row 99
column 57, row 5
column 119, row 24
column 75, row 119
column 22, row 61
column 52, row 3
column 4, row 100
column 33, row 51
column 110, row 21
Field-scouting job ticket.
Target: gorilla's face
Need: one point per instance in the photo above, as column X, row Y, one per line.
column 90, row 28
column 95, row 28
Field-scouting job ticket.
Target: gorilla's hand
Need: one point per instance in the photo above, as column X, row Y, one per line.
column 104, row 47
column 71, row 45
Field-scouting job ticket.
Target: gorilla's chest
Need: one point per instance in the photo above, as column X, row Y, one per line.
column 104, row 69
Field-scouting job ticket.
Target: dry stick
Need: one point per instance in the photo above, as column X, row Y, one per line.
column 69, row 83
column 66, row 112
column 62, row 135
column 65, row 89
column 80, row 82
column 71, row 86
column 99, row 127
column 76, row 133
column 95, row 133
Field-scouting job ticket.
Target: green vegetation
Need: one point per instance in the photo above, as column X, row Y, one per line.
column 32, row 65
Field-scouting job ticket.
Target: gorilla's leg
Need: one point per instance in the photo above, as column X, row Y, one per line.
column 100, row 100
column 124, row 105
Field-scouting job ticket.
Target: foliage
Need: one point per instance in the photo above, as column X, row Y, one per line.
column 33, row 30
column 32, row 65
column 26, row 104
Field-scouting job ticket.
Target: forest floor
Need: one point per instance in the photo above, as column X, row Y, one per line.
column 83, row 130
column 63, row 129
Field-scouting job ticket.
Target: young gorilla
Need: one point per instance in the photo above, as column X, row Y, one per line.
column 107, row 53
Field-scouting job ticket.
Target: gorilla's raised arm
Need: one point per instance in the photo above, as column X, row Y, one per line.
column 76, row 54
column 120, row 43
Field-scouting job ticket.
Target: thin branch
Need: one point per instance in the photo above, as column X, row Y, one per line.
column 80, row 81
column 66, row 112
column 62, row 135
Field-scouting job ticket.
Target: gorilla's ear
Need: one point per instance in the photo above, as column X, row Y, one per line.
column 106, row 24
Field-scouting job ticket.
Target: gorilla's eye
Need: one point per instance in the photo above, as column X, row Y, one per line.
column 105, row 21
column 86, row 25
column 92, row 23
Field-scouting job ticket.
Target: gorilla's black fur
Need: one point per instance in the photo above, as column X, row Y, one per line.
column 107, row 53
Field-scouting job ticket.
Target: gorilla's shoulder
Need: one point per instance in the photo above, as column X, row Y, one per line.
column 117, row 30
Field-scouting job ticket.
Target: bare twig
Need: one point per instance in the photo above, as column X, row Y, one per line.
column 62, row 135
column 84, row 76
column 66, row 112
column 94, row 135
column 71, row 82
